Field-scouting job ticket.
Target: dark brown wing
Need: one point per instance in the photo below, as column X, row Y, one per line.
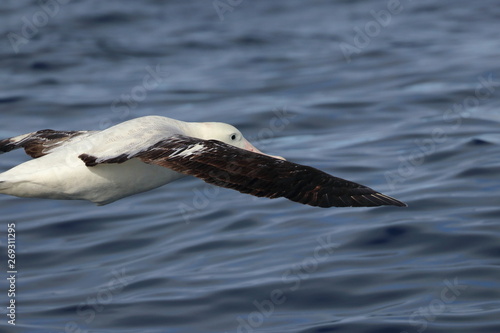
column 227, row 166
column 39, row 143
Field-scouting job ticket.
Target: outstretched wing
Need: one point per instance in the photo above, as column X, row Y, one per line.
column 260, row 175
column 38, row 143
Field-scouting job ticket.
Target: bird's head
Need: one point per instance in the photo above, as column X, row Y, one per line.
column 230, row 135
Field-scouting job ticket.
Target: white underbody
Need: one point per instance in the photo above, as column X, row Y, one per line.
column 101, row 184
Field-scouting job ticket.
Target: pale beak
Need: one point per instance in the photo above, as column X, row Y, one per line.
column 248, row 146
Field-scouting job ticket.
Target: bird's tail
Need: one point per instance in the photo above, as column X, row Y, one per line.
column 9, row 186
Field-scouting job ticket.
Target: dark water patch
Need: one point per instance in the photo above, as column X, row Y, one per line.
column 11, row 99
column 41, row 259
column 71, row 227
column 390, row 236
column 49, row 81
column 117, row 50
column 342, row 105
column 356, row 328
column 148, row 283
column 454, row 243
column 251, row 40
column 490, row 251
column 116, row 246
column 479, row 172
column 200, row 45
column 215, row 246
column 109, row 18
column 241, row 224
column 269, row 59
column 41, row 65
column 479, row 142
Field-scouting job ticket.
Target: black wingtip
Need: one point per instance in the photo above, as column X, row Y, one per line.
column 374, row 199
column 389, row 201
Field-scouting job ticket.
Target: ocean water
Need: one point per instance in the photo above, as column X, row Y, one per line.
column 402, row 96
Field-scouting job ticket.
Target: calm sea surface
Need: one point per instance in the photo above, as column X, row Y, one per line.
column 403, row 96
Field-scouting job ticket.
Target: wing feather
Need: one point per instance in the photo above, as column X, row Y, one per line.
column 38, row 143
column 260, row 175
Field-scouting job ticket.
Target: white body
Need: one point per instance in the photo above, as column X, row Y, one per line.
column 62, row 175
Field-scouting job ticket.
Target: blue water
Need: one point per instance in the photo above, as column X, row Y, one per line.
column 404, row 106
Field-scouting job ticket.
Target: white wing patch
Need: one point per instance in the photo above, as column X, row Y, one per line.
column 21, row 137
column 189, row 151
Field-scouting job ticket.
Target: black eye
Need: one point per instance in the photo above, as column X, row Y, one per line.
column 233, row 137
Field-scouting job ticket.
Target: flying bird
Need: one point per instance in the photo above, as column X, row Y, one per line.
column 144, row 153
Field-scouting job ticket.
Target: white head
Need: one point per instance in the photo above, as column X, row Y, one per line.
column 230, row 135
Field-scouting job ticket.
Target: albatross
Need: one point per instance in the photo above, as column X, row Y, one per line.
column 144, row 153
